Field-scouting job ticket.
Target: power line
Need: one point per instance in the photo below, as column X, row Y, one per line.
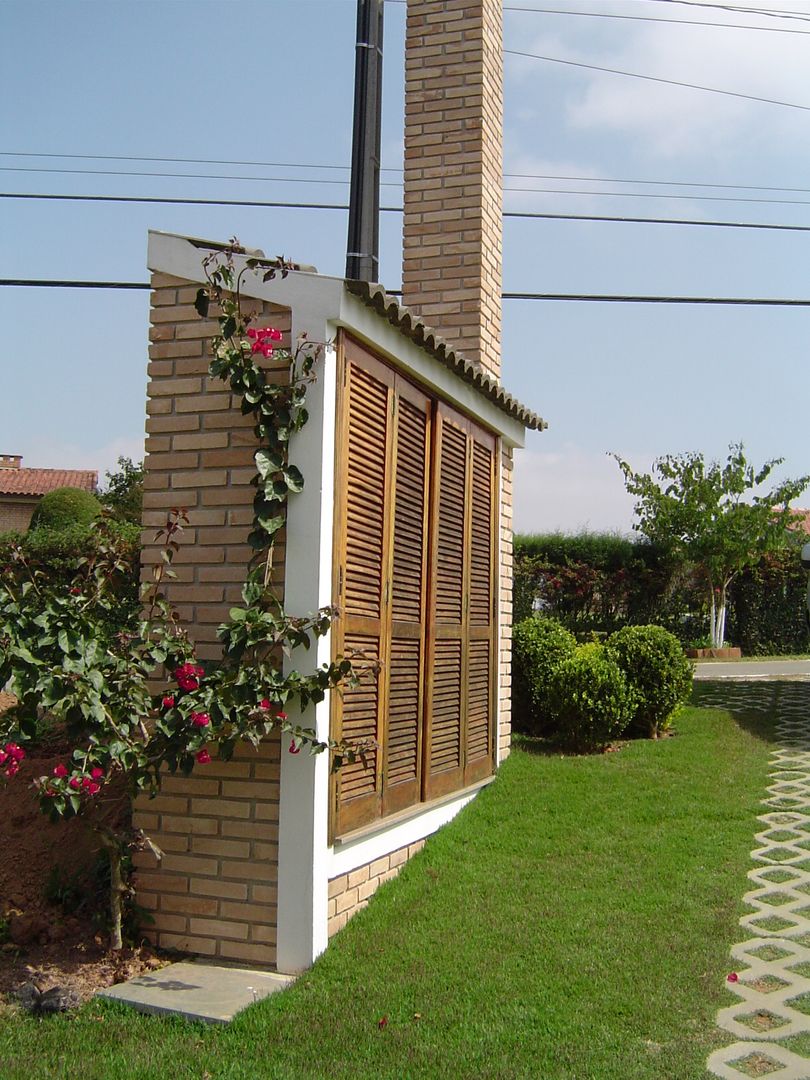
column 657, row 79
column 184, row 201
column 506, row 188
column 186, row 176
column 603, row 298
column 774, row 13
column 651, row 19
column 624, row 220
column 345, row 168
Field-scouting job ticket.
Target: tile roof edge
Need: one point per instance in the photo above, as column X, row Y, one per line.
column 425, row 337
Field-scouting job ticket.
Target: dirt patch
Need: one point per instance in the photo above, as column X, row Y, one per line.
column 53, row 899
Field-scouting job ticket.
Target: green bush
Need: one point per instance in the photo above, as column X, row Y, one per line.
column 656, row 670
column 63, row 508
column 538, row 645
column 591, row 699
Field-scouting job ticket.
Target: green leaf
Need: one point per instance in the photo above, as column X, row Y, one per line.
column 201, row 303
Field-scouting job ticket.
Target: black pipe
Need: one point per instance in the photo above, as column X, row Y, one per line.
column 363, row 244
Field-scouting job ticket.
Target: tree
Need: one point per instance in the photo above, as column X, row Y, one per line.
column 709, row 515
column 123, row 494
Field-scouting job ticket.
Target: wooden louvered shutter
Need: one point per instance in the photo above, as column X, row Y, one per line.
column 479, row 758
column 402, row 774
column 460, row 692
column 382, row 560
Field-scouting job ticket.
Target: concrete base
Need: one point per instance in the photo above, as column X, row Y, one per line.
column 198, row 990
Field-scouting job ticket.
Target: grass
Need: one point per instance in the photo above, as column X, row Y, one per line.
column 574, row 923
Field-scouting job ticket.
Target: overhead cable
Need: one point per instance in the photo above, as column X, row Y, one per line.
column 604, row 298
column 658, row 79
column 398, row 210
column 652, row 19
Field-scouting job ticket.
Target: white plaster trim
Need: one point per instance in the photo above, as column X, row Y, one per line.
column 304, row 792
column 348, row 856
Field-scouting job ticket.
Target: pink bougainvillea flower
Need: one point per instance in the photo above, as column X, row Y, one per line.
column 97, row 773
column 188, row 676
column 200, row 719
column 50, row 792
column 60, row 770
column 14, row 751
column 263, row 338
column 265, row 703
column 13, row 768
column 293, row 748
column 203, row 757
column 168, row 701
column 75, row 591
column 281, row 715
column 75, row 783
column 732, row 976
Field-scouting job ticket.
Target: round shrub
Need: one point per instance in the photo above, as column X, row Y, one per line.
column 64, row 507
column 591, row 699
column 538, row 645
column 658, row 672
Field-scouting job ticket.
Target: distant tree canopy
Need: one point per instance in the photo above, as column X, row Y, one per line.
column 709, row 515
column 123, row 493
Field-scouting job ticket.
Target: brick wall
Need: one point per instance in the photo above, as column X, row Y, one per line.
column 350, row 893
column 15, row 514
column 452, row 229
column 214, row 892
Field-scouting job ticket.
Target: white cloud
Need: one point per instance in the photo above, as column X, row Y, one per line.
column 670, row 120
column 571, row 490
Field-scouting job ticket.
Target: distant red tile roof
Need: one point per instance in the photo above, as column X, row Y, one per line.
column 18, row 481
column 804, row 523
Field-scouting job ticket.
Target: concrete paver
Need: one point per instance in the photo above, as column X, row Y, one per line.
column 198, row 990
column 771, row 962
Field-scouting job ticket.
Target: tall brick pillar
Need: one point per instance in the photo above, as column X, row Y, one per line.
column 453, row 172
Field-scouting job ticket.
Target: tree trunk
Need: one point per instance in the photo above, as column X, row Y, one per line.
column 114, row 848
column 717, row 618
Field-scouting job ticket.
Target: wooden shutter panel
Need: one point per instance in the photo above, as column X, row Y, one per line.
column 479, row 758
column 362, row 510
column 460, row 695
column 402, row 774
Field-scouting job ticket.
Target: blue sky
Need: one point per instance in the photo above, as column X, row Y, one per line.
column 272, row 82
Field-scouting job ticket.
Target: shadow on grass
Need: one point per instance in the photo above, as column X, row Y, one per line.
column 754, row 705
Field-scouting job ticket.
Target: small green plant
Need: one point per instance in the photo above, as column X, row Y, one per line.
column 539, row 644
column 591, row 699
column 64, row 507
column 656, row 670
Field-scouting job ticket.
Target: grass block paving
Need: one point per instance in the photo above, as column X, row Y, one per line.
column 774, row 978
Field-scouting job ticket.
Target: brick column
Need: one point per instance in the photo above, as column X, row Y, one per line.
column 452, row 233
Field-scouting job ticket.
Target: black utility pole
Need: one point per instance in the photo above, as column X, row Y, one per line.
column 363, row 245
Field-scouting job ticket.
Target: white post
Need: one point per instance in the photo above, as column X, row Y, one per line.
column 304, row 794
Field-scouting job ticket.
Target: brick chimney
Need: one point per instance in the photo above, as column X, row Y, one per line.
column 10, row 461
column 452, row 232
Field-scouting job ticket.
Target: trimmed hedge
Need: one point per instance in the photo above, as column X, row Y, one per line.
column 64, row 508
column 591, row 699
column 538, row 645
column 596, row 583
column 656, row 670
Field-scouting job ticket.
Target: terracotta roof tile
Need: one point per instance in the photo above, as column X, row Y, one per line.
column 40, row 481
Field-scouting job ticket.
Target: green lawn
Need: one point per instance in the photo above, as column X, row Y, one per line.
column 574, row 923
